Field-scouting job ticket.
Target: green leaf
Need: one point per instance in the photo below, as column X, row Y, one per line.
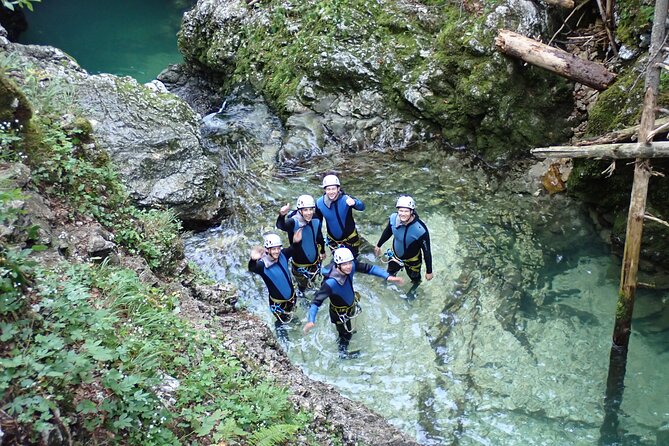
column 98, row 352
column 86, row 407
column 124, row 421
column 8, row 331
column 209, row 423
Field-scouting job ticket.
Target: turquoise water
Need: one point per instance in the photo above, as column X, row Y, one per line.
column 122, row 37
column 507, row 345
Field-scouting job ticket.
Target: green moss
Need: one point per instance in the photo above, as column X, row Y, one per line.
column 14, row 107
column 618, row 106
column 634, row 17
column 497, row 105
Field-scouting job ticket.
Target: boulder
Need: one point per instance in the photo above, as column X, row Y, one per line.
column 152, row 137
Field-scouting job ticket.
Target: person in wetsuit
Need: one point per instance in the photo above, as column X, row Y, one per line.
column 411, row 242
column 271, row 263
column 336, row 208
column 306, row 238
column 338, row 286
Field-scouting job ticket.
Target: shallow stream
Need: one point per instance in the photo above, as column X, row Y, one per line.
column 508, row 344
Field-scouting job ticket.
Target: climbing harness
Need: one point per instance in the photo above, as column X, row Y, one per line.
column 391, row 257
column 352, row 240
column 279, row 312
column 310, row 275
column 346, row 313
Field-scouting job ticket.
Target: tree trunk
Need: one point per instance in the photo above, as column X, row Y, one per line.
column 553, row 59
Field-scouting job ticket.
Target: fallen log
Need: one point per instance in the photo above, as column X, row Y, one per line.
column 655, row 149
column 555, row 60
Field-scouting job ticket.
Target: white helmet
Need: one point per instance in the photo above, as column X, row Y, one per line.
column 330, row 180
column 305, row 201
column 342, row 255
column 406, row 201
column 272, row 241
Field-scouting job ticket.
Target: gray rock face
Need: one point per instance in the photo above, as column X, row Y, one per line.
column 154, row 140
column 368, row 84
column 337, row 105
column 152, row 137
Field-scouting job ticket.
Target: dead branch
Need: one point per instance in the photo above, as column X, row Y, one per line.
column 655, row 219
column 628, row 133
column 568, row 4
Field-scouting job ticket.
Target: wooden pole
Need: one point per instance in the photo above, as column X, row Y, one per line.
column 628, row 276
column 606, row 151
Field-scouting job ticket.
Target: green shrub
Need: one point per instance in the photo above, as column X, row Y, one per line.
column 88, row 349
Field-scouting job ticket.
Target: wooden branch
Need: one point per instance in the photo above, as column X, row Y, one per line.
column 621, row 135
column 607, row 25
column 655, row 219
column 658, row 149
column 553, row 59
column 568, row 4
column 659, row 129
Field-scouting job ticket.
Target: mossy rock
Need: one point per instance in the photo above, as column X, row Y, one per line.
column 619, row 106
column 14, row 107
column 633, row 18
column 496, row 105
column 478, row 97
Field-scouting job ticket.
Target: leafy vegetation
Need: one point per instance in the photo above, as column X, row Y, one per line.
column 88, row 353
column 91, row 354
column 12, row 4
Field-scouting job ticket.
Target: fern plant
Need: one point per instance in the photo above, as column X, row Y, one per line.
column 274, row 435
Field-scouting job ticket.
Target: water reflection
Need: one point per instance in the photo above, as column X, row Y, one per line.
column 508, row 344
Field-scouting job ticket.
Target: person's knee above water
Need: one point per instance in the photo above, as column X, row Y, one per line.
column 411, row 241
column 338, row 287
column 270, row 262
column 306, row 238
column 335, row 207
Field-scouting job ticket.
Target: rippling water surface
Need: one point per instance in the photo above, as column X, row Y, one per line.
column 508, row 344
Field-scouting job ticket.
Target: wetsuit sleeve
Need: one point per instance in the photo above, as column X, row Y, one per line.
column 385, row 236
column 322, row 294
column 288, row 252
column 427, row 249
column 283, row 222
column 372, row 270
column 359, row 205
column 255, row 266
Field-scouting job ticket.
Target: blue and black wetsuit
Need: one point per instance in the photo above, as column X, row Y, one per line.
column 343, row 299
column 306, row 252
column 276, row 276
column 339, row 219
column 409, row 242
